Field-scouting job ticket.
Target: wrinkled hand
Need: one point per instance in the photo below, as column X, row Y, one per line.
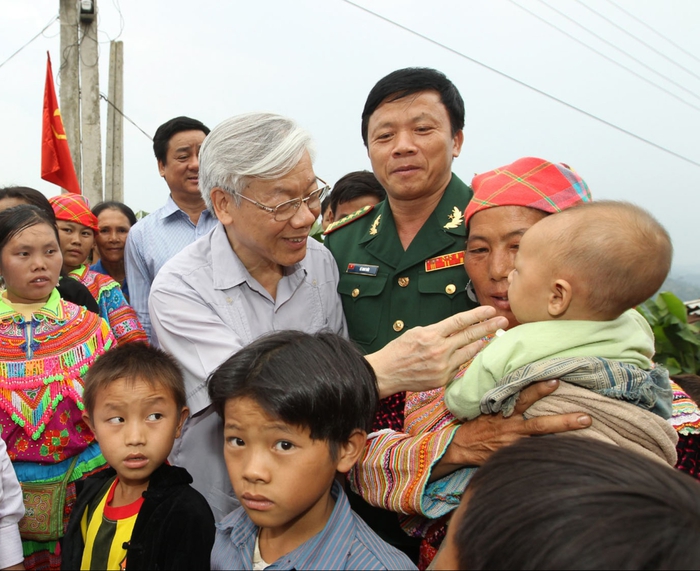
column 477, row 439
column 426, row 358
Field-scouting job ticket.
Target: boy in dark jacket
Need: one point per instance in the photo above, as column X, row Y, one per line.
column 141, row 513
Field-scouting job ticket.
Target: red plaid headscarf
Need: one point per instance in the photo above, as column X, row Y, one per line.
column 530, row 182
column 73, row 208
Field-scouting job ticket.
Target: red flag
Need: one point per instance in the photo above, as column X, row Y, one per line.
column 56, row 163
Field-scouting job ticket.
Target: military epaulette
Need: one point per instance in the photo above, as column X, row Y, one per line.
column 349, row 218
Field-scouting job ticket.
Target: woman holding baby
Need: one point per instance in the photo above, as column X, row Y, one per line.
column 425, row 479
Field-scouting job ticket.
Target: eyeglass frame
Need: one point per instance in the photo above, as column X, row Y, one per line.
column 322, row 194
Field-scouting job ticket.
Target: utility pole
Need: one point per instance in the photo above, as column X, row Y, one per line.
column 80, row 92
column 114, row 162
column 69, row 89
column 90, row 104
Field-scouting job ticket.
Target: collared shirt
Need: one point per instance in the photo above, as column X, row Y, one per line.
column 346, row 542
column 205, row 306
column 153, row 241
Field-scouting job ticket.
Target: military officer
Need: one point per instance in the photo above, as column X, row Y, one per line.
column 401, row 261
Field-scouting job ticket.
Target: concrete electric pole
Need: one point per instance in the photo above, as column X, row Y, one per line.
column 114, row 161
column 80, row 96
column 69, row 88
column 91, row 145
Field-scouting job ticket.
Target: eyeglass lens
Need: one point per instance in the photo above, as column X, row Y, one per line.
column 286, row 211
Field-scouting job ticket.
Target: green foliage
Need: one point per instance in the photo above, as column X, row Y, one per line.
column 317, row 231
column 677, row 341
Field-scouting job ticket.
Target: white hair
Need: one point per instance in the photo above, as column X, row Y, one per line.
column 252, row 145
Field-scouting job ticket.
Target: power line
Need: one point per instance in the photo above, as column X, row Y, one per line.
column 602, row 39
column 103, row 96
column 523, row 84
column 648, row 27
column 652, row 48
column 604, row 56
column 30, row 41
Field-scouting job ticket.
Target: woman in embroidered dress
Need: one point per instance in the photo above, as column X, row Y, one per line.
column 420, row 472
column 77, row 226
column 114, row 219
column 46, row 345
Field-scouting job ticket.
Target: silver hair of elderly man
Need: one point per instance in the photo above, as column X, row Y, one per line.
column 251, row 145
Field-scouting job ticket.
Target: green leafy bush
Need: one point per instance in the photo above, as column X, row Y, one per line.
column 317, row 231
column 677, row 341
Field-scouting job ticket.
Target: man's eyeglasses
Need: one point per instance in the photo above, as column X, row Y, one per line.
column 286, row 210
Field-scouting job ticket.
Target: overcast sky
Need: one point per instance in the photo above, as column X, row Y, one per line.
column 316, row 60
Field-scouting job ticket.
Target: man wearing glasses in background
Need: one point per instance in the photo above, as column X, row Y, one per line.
column 255, row 273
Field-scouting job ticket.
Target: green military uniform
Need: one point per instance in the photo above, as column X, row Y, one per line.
column 385, row 289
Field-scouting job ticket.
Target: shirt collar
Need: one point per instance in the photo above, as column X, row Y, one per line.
column 52, row 308
column 448, row 214
column 172, row 208
column 79, row 272
column 338, row 532
column 227, row 269
column 169, row 209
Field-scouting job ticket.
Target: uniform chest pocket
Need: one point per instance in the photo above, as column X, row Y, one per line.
column 361, row 287
column 362, row 304
column 442, row 294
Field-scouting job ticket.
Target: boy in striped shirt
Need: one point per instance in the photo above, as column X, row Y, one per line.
column 296, row 411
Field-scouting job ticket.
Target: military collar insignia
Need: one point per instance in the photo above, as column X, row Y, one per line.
column 375, row 224
column 347, row 219
column 456, row 219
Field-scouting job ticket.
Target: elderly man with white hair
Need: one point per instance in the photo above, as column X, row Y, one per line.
column 259, row 272
column 256, row 272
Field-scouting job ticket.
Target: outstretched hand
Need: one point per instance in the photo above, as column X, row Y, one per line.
column 425, row 358
column 477, row 439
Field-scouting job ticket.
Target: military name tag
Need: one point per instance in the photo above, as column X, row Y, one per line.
column 362, row 269
column 445, row 261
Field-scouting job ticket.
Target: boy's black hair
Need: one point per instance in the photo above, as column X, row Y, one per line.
column 578, row 503
column 320, row 382
column 354, row 185
column 134, row 362
column 404, row 82
column 116, row 205
column 166, row 131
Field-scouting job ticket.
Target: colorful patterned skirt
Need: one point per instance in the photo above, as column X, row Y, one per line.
column 47, row 554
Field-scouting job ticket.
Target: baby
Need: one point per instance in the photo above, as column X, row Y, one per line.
column 578, row 275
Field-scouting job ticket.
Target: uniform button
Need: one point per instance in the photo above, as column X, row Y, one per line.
column 403, row 282
column 398, row 325
column 450, row 288
column 355, row 292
